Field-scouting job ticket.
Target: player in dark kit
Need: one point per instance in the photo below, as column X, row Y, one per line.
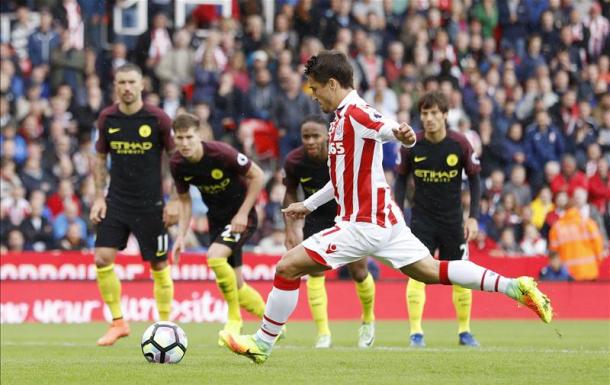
column 229, row 184
column 307, row 167
column 134, row 135
column 436, row 163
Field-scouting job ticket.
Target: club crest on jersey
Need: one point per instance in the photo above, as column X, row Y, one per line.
column 242, row 160
column 373, row 114
column 217, row 173
column 475, row 159
column 452, row 160
column 338, row 135
column 145, row 131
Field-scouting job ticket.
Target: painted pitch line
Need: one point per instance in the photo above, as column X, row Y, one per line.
column 349, row 348
column 457, row 350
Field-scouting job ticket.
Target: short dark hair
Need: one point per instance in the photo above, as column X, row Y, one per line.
column 185, row 121
column 315, row 118
column 330, row 64
column 129, row 67
column 434, row 98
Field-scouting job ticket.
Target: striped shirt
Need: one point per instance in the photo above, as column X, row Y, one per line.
column 355, row 158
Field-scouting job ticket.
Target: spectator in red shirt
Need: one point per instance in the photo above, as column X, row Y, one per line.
column 569, row 178
column 561, row 201
column 393, row 63
column 482, row 242
column 64, row 191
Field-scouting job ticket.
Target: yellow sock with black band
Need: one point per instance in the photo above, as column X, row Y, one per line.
column 462, row 301
column 318, row 303
column 227, row 284
column 416, row 299
column 251, row 300
column 110, row 288
column 366, row 294
column 164, row 291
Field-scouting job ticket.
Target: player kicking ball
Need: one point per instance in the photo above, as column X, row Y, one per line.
column 229, row 184
column 306, row 167
column 369, row 222
column 437, row 163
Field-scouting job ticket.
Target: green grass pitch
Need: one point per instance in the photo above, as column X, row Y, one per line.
column 512, row 352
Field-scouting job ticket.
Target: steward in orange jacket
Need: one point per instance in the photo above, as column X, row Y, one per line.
column 579, row 244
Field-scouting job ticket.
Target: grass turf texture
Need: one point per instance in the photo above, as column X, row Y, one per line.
column 512, row 352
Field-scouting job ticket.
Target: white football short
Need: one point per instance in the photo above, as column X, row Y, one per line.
column 348, row 242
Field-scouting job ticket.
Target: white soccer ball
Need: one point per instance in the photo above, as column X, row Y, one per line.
column 164, row 342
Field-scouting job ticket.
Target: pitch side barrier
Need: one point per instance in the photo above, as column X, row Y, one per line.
column 60, row 287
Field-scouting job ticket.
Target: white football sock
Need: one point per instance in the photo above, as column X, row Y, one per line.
column 280, row 305
column 473, row 276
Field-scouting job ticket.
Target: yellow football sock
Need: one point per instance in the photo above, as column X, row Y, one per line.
column 110, row 289
column 164, row 291
column 251, row 300
column 416, row 299
column 462, row 300
column 366, row 294
column 227, row 283
column 318, row 303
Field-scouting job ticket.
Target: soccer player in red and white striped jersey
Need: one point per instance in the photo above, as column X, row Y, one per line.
column 368, row 221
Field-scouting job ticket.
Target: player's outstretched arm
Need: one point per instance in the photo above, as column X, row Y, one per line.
column 184, row 219
column 320, row 197
column 100, row 175
column 296, row 210
column 254, row 183
column 299, row 210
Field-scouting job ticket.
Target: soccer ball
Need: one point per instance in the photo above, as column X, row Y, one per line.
column 164, row 342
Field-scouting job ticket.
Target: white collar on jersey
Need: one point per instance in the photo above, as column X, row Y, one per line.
column 351, row 98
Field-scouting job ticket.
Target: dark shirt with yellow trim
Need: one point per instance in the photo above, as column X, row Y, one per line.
column 220, row 177
column 437, row 171
column 135, row 144
column 311, row 175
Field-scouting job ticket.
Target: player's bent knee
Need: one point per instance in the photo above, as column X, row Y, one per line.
column 287, row 270
column 427, row 279
column 358, row 274
column 425, row 270
column 158, row 265
column 104, row 256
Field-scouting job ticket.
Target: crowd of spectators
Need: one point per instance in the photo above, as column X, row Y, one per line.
column 528, row 84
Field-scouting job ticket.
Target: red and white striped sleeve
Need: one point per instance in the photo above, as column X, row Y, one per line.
column 372, row 124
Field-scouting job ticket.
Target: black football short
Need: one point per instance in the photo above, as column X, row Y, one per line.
column 448, row 239
column 146, row 226
column 220, row 233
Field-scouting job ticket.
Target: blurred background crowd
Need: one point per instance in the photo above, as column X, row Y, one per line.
column 528, row 83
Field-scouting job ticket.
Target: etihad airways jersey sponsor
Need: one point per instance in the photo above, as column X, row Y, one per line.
column 437, row 170
column 220, row 177
column 135, row 143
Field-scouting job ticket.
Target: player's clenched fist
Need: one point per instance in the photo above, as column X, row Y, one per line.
column 405, row 134
column 171, row 213
column 239, row 223
column 98, row 210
